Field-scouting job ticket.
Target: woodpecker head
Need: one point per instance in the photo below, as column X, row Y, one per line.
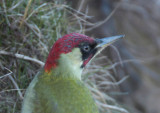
column 75, row 50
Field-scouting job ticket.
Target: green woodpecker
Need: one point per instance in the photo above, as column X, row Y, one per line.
column 58, row 88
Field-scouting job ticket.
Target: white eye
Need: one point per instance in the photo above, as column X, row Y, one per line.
column 86, row 48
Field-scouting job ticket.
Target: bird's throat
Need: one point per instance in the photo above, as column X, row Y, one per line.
column 69, row 65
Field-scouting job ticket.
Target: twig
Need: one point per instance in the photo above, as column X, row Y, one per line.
column 83, row 20
column 15, row 6
column 6, row 75
column 80, row 6
column 5, row 11
column 85, row 24
column 35, row 11
column 20, row 56
column 11, row 90
column 113, row 83
column 124, row 61
column 118, row 54
column 25, row 13
column 14, row 83
column 80, row 13
column 35, row 29
column 112, row 107
column 104, row 21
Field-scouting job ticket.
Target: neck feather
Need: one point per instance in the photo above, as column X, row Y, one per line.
column 69, row 65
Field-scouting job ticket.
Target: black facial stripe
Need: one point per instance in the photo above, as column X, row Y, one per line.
column 85, row 55
column 92, row 51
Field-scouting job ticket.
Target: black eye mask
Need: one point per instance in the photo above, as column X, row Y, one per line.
column 87, row 49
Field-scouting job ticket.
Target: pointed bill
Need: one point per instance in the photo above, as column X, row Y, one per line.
column 107, row 41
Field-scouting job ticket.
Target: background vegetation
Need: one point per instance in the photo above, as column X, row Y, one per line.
column 123, row 78
column 28, row 30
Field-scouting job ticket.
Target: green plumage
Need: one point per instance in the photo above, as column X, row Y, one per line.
column 61, row 90
column 64, row 96
column 60, row 95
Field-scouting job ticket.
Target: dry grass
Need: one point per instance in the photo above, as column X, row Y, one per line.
column 27, row 31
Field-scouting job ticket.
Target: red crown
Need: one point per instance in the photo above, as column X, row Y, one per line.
column 64, row 45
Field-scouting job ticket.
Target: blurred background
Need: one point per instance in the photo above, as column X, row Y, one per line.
column 126, row 75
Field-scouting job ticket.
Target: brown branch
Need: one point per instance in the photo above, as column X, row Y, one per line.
column 20, row 56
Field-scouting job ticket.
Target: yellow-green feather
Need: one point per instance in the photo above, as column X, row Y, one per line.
column 61, row 90
column 63, row 96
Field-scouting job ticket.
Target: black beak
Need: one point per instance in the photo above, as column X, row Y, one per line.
column 104, row 42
